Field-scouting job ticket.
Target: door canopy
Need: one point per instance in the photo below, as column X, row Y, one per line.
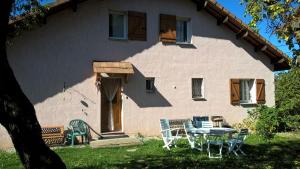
column 113, row 69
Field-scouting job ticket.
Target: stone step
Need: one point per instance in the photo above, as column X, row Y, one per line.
column 113, row 135
column 116, row 142
column 112, row 132
column 105, row 137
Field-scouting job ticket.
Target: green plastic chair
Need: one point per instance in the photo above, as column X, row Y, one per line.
column 78, row 128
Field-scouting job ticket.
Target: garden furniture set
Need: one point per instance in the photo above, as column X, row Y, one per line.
column 200, row 132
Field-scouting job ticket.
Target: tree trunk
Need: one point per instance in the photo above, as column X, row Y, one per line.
column 17, row 113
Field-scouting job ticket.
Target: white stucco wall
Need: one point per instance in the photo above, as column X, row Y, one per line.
column 54, row 67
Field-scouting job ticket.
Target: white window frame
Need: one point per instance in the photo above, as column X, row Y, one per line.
column 125, row 25
column 202, row 89
column 252, row 92
column 153, row 87
column 189, row 30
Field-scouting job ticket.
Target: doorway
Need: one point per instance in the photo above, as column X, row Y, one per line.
column 111, row 105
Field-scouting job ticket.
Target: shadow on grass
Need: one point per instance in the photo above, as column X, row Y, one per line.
column 281, row 155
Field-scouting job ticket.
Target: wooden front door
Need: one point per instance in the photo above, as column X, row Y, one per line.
column 117, row 108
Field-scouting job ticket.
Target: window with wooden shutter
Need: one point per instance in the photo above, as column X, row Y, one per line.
column 137, row 26
column 167, row 28
column 235, row 91
column 260, row 91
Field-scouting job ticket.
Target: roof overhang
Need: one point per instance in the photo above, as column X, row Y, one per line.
column 125, row 68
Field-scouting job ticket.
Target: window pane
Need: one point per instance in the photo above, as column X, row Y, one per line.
column 197, row 88
column 246, row 87
column 243, row 89
column 181, row 31
column 150, row 84
column 252, row 91
column 116, row 25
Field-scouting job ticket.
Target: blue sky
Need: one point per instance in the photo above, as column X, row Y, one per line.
column 22, row 2
column 45, row 2
column 234, row 7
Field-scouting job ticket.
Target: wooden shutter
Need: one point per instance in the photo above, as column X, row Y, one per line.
column 167, row 28
column 235, row 91
column 137, row 26
column 260, row 91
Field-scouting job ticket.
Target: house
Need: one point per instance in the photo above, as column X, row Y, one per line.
column 122, row 65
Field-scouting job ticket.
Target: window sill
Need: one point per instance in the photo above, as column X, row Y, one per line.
column 183, row 43
column 248, row 104
column 186, row 45
column 118, row 39
column 199, row 99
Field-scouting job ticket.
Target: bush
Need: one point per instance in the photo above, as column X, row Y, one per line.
column 266, row 120
column 248, row 123
column 291, row 122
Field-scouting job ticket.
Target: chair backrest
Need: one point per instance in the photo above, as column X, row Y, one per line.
column 243, row 134
column 165, row 128
column 188, row 126
column 217, row 118
column 207, row 124
column 79, row 126
column 197, row 120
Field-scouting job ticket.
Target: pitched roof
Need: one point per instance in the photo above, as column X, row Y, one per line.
column 278, row 58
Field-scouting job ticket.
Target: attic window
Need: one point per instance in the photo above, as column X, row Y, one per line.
column 183, row 30
column 118, row 25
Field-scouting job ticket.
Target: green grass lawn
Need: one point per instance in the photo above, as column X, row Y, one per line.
column 283, row 152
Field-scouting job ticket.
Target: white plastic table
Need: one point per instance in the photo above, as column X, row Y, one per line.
column 207, row 130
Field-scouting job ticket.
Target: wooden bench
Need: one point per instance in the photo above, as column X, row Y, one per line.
column 53, row 135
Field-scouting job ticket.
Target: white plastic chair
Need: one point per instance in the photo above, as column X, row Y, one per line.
column 166, row 132
column 207, row 124
column 235, row 144
column 192, row 136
